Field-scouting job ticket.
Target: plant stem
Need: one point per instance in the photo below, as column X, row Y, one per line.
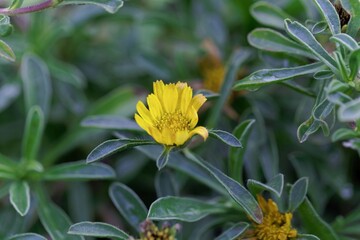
column 28, row 9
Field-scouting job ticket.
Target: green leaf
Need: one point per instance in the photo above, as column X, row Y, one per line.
column 54, row 219
column 8, row 168
column 5, row 26
column 236, row 155
column 319, row 27
column 270, row 40
column 111, row 122
column 34, row 129
column 36, row 81
column 112, row 6
column 354, row 23
column 313, row 222
column 6, row 52
column 304, row 37
column 207, row 93
column 120, row 101
column 343, row 134
column 331, row 16
column 349, row 111
column 237, row 59
column 226, row 138
column 8, row 93
column 234, row 232
column 354, row 64
column 166, row 184
column 275, row 185
column 163, row 158
column 345, row 40
column 20, row 197
column 321, row 110
column 298, row 193
column 79, row 171
column 323, row 75
column 66, row 73
column 270, row 76
column 234, row 189
column 97, row 229
column 269, row 15
column 16, row 4
column 307, row 237
column 185, row 166
column 110, row 147
column 26, row 236
column 183, row 209
column 128, row 204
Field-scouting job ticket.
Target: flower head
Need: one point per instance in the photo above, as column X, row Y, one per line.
column 275, row 225
column 212, row 67
column 149, row 231
column 171, row 116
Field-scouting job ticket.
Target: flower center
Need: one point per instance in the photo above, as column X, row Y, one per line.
column 174, row 121
column 275, row 226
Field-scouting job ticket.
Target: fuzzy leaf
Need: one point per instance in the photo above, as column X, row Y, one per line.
column 331, row 16
column 162, row 160
column 343, row 134
column 112, row 6
column 270, row 76
column 275, row 185
column 234, row 232
column 350, row 111
column 298, row 193
column 26, row 236
column 6, row 52
column 313, row 222
column 20, row 197
column 236, row 155
column 180, row 208
column 33, row 134
column 110, row 122
column 301, row 34
column 270, row 40
column 345, row 40
column 128, row 204
column 97, row 229
column 54, row 219
column 79, row 171
column 110, row 147
column 269, row 15
column 226, row 137
column 241, row 196
column 36, row 80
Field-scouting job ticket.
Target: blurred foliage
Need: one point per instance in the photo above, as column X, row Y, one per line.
column 70, row 79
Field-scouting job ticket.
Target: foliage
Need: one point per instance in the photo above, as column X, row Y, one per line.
column 74, row 74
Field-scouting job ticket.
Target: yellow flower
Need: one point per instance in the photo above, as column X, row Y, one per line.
column 275, row 225
column 212, row 68
column 171, row 115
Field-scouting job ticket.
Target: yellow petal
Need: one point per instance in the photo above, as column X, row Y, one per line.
column 202, row 131
column 156, row 134
column 197, row 101
column 158, row 87
column 170, row 98
column 192, row 116
column 168, row 136
column 155, row 107
column 144, row 112
column 185, row 99
column 181, row 137
column 142, row 123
